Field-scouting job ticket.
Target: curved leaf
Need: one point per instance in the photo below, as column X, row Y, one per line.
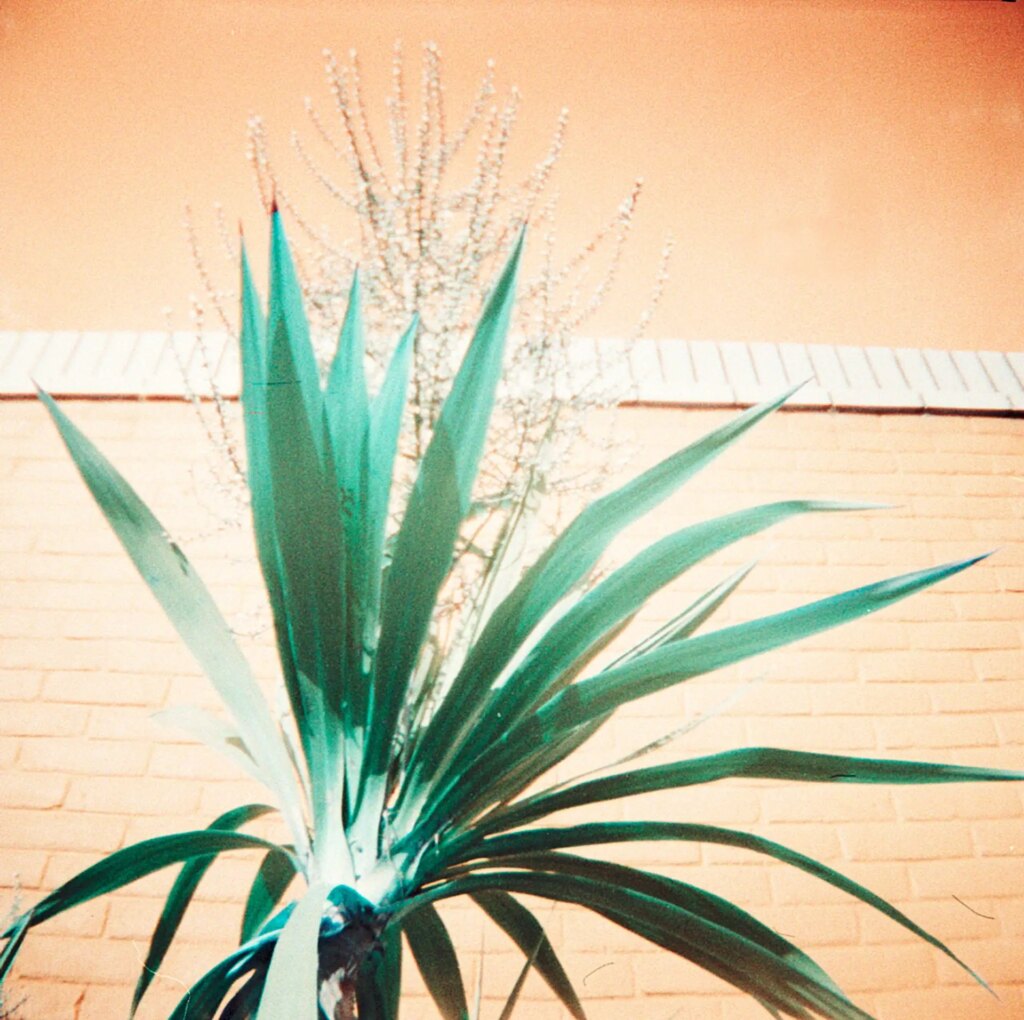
column 664, row 667
column 510, row 1003
column 125, row 866
column 292, row 985
column 734, row 958
column 203, row 999
column 190, row 608
column 690, row 619
column 274, row 876
column 180, row 896
column 571, row 556
column 15, row 936
column 596, row 833
column 242, row 1005
column 537, row 762
column 543, row 671
column 525, row 930
column 746, row 762
column 434, row 953
column 679, row 894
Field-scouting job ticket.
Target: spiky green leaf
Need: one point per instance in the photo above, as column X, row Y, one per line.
column 437, row 504
column 526, row 931
column 125, row 866
column 533, row 841
column 275, row 874
column 180, row 896
column 435, row 956
column 189, row 607
column 292, row 983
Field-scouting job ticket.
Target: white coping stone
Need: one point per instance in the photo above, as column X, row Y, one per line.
column 1016, row 360
column 143, row 369
column 915, row 369
column 60, row 350
column 739, row 368
column 677, row 366
column 645, row 366
column 8, row 341
column 29, row 348
column 969, row 365
column 999, row 370
column 771, row 372
column 673, row 371
column 709, row 369
column 857, row 368
column 800, row 369
column 947, row 378
column 886, row 369
column 828, row 369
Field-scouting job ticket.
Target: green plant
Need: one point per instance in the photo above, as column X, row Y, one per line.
column 427, row 211
column 396, row 799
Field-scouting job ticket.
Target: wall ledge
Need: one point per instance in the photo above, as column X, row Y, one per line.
column 673, row 373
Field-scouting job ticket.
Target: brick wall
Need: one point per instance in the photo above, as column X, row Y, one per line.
column 86, row 658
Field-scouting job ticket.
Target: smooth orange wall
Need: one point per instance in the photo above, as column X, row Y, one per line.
column 833, row 170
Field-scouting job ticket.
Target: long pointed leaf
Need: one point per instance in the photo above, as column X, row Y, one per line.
column 434, row 953
column 732, row 957
column 125, row 866
column 180, row 896
column 347, row 408
column 548, row 667
column 673, row 664
column 202, row 1001
column 538, row 761
column 525, row 930
column 517, row 989
column 15, row 936
column 679, row 894
column 189, row 607
column 564, row 565
column 426, row 539
column 345, row 394
column 274, row 876
column 292, row 981
column 597, row 833
column 749, row 763
column 385, row 423
column 688, row 620
column 307, row 502
column 242, row 1005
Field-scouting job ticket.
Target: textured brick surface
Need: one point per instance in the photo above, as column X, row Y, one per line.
column 87, row 658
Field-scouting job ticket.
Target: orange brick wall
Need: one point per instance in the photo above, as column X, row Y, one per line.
column 86, row 658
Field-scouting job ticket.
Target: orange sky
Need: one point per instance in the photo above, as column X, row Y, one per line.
column 833, row 170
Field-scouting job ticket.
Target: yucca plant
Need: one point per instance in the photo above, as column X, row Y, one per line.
column 398, row 794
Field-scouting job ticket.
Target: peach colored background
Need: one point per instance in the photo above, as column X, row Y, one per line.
column 833, row 170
